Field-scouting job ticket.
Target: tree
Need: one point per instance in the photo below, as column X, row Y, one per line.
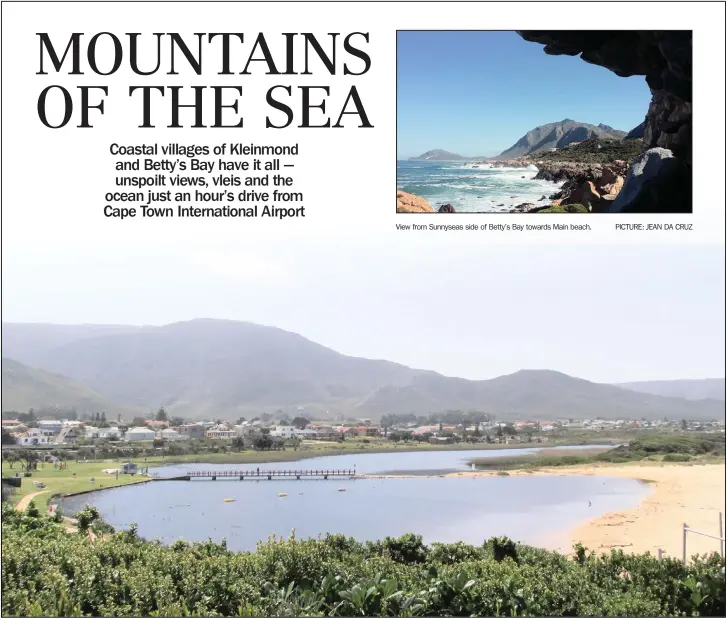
column 11, row 457
column 161, row 414
column 684, row 425
column 139, row 421
column 7, row 438
column 238, row 443
column 86, row 517
column 300, row 422
column 263, row 442
column 176, row 421
column 30, row 458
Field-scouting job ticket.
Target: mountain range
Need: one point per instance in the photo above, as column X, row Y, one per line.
column 552, row 135
column 224, row 369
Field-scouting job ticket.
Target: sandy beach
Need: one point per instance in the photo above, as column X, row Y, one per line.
column 691, row 494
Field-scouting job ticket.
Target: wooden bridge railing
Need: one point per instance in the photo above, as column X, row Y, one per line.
column 271, row 473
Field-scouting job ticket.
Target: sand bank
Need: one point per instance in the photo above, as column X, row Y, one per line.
column 681, row 493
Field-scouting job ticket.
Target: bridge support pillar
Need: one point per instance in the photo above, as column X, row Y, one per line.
column 214, row 478
column 298, row 477
column 270, row 478
column 242, row 478
column 325, row 477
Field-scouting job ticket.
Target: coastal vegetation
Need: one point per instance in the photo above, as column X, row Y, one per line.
column 47, row 571
column 594, row 151
column 564, row 208
column 679, row 448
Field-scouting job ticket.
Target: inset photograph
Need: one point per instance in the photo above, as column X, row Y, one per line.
column 544, row 121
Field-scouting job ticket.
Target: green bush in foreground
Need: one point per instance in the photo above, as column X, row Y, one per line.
column 564, row 208
column 49, row 572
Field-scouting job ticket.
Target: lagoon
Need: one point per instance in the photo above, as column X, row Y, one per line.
column 537, row 510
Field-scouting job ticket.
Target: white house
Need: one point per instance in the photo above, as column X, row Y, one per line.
column 32, row 437
column 136, row 434
column 102, row 433
column 306, row 433
column 283, row 431
column 50, row 428
column 171, row 435
column 109, row 432
column 220, row 432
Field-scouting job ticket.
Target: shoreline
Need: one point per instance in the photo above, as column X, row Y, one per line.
column 583, row 186
column 680, row 493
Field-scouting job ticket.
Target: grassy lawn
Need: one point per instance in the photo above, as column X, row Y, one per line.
column 63, row 482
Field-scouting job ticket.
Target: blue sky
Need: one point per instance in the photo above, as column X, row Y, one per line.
column 477, row 93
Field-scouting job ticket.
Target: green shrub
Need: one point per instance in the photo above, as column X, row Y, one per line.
column 574, row 208
column 677, row 457
column 595, row 151
column 49, row 572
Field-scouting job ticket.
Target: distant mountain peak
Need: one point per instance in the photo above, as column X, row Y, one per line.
column 558, row 135
column 438, row 155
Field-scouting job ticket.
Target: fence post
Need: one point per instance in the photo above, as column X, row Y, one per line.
column 684, row 543
column 721, row 535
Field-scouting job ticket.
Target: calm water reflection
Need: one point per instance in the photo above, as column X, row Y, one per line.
column 530, row 509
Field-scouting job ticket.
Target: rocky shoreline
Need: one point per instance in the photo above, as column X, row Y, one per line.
column 588, row 187
column 617, row 186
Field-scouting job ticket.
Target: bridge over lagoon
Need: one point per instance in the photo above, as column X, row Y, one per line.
column 260, row 474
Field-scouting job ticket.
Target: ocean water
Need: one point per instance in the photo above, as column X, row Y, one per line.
column 473, row 189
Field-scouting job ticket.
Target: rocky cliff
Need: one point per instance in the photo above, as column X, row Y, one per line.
column 558, row 135
column 665, row 59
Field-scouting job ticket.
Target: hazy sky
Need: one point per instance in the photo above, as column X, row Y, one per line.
column 605, row 313
column 477, row 93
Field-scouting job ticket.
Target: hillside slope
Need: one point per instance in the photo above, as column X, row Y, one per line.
column 708, row 388
column 558, row 135
column 24, row 387
column 30, row 342
column 536, row 394
column 210, row 366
